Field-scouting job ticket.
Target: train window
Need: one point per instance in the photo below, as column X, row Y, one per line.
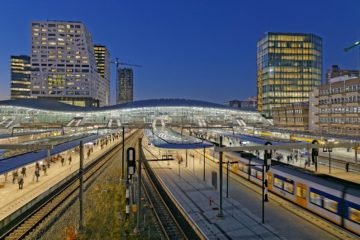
column 354, row 214
column 245, row 169
column 330, row 205
column 315, row 198
column 301, row 192
column 289, row 187
column 278, row 183
column 253, row 172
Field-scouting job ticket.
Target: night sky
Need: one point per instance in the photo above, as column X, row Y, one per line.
column 197, row 49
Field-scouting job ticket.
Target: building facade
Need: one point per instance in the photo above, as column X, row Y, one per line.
column 63, row 64
column 293, row 116
column 339, row 108
column 247, row 104
column 20, row 69
column 124, row 85
column 102, row 58
column 336, row 73
column 289, row 66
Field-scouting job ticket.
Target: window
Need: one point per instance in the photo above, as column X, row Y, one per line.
column 330, row 205
column 315, row 199
column 354, row 215
column 289, row 187
column 301, row 192
column 278, row 183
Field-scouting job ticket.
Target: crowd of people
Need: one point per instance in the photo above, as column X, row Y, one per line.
column 66, row 158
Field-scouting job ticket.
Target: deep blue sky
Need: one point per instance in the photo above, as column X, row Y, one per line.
column 197, row 49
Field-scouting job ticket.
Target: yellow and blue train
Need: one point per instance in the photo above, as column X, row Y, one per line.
column 333, row 199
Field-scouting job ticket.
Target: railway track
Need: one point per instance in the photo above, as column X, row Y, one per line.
column 32, row 218
column 173, row 223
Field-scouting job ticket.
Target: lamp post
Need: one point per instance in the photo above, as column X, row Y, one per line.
column 204, row 166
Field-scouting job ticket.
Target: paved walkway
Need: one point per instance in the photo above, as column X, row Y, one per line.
column 242, row 209
column 12, row 198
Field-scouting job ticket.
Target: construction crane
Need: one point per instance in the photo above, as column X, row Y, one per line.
column 118, row 63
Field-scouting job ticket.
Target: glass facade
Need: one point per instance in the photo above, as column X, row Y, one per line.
column 289, row 66
column 20, row 77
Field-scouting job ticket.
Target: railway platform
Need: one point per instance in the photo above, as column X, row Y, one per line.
column 242, row 209
column 14, row 198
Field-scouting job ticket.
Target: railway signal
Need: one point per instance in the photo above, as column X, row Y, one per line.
column 130, row 157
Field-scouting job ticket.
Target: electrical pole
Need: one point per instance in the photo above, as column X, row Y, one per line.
column 123, row 153
column 220, row 214
column 139, row 187
column 81, row 190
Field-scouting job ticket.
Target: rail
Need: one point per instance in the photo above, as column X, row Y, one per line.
column 182, row 221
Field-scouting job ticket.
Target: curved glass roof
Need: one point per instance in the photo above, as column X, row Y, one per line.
column 58, row 106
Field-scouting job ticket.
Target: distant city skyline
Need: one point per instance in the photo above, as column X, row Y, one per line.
column 195, row 50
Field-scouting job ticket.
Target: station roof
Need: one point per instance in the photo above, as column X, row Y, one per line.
column 58, row 106
column 15, row 162
column 171, row 140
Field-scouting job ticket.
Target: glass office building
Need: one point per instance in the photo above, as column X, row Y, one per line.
column 289, row 66
column 20, row 77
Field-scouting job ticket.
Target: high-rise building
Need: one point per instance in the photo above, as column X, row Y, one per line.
column 124, row 85
column 335, row 74
column 20, row 77
column 102, row 58
column 63, row 64
column 289, row 66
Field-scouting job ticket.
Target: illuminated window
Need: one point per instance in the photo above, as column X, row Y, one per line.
column 315, row 199
column 278, row 182
column 330, row 205
column 354, row 214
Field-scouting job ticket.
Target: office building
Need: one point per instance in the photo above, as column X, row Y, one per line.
column 293, row 116
column 124, row 85
column 338, row 108
column 336, row 74
column 102, row 58
column 20, row 77
column 63, row 64
column 289, row 66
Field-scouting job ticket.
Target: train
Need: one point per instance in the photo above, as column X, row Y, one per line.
column 333, row 199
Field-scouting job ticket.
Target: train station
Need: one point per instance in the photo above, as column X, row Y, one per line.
column 202, row 161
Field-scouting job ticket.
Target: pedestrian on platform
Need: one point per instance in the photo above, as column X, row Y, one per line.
column 37, row 165
column 62, row 161
column 88, row 154
column 23, row 171
column 15, row 175
column 21, row 182
column 69, row 159
column 37, row 174
column 48, row 163
column 44, row 169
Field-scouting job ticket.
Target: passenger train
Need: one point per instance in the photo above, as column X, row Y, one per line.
column 333, row 199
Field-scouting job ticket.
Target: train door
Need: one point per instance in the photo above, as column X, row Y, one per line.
column 301, row 192
column 270, row 179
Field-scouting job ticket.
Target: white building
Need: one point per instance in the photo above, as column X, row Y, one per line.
column 63, row 65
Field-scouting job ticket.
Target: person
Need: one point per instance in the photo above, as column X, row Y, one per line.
column 88, row 154
column 37, row 174
column 15, row 175
column 48, row 163
column 44, row 169
column 70, row 160
column 37, row 165
column 21, row 182
column 62, row 161
column 23, row 171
